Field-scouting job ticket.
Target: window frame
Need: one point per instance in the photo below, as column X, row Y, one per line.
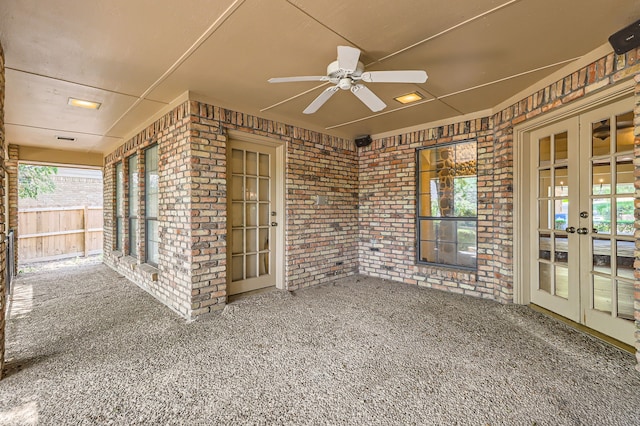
column 420, row 219
column 133, row 209
column 151, row 257
column 119, row 206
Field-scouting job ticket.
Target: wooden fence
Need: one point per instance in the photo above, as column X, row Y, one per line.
column 50, row 233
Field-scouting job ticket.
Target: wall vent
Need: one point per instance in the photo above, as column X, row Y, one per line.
column 66, row 138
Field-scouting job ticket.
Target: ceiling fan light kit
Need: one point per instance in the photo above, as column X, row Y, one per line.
column 347, row 72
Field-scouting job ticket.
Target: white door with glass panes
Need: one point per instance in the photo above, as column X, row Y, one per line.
column 583, row 240
column 252, row 216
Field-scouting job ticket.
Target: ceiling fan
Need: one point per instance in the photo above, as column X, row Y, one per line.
column 347, row 73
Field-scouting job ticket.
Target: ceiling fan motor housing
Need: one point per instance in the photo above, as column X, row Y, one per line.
column 335, row 73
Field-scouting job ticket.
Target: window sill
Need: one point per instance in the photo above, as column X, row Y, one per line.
column 117, row 254
column 149, row 272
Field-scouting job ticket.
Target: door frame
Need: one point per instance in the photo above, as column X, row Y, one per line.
column 279, row 202
column 522, row 218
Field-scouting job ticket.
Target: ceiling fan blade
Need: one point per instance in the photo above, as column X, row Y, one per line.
column 369, row 98
column 394, row 76
column 348, row 58
column 301, row 78
column 320, row 100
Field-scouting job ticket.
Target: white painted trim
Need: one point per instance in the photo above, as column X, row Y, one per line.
column 521, row 294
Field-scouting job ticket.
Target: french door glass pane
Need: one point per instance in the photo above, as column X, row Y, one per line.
column 544, row 246
column 561, row 182
column 237, row 188
column 625, row 299
column 624, row 132
column 237, row 214
column 545, row 277
column 601, row 178
column 545, row 184
column 624, row 176
column 625, row 258
column 601, row 137
column 544, row 151
column 560, row 146
column 237, row 268
column 264, row 165
column 561, row 249
column 238, row 241
column 624, row 216
column 544, row 214
column 237, row 161
column 252, row 266
column 251, row 165
column 601, row 211
column 562, row 282
column 602, row 294
column 251, row 243
column 601, row 255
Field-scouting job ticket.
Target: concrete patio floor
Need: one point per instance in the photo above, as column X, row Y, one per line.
column 86, row 346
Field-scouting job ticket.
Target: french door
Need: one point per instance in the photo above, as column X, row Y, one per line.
column 251, row 217
column 583, row 241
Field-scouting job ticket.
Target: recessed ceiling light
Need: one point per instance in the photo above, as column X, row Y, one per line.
column 66, row 138
column 83, row 103
column 409, row 98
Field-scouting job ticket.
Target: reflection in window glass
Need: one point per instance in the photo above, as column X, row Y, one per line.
column 624, row 132
column 601, row 252
column 624, row 216
column 625, row 258
column 448, row 204
column 151, row 184
column 560, row 146
column 119, row 207
column 601, row 137
column 625, row 299
column 602, row 294
column 601, row 178
column 601, row 215
column 544, row 151
column 134, row 204
column 624, row 176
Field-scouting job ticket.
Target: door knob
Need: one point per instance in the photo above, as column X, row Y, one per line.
column 274, row 223
column 582, row 231
column 571, row 230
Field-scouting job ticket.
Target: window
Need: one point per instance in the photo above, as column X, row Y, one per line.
column 152, row 238
column 119, row 207
column 447, row 204
column 134, row 204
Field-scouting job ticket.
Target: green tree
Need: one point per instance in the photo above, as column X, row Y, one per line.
column 35, row 180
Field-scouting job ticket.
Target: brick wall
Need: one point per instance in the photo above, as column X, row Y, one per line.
column 70, row 191
column 3, row 217
column 387, row 234
column 170, row 282
column 321, row 240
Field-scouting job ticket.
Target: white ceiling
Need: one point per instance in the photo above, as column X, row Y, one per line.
column 136, row 57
